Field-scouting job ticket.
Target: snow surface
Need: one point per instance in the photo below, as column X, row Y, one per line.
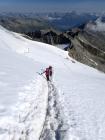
column 80, row 92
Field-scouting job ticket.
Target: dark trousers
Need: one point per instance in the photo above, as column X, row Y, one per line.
column 47, row 77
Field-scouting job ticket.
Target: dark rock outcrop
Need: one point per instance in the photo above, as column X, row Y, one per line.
column 88, row 48
column 49, row 37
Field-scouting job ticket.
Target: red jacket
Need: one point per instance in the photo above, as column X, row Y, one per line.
column 47, row 72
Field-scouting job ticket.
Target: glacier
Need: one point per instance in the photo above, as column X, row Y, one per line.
column 71, row 107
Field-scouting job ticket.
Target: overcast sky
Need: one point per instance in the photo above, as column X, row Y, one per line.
column 52, row 5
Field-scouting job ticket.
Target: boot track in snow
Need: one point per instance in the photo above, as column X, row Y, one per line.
column 52, row 128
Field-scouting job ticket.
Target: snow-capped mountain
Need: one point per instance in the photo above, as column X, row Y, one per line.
column 28, row 22
column 70, row 107
column 70, row 20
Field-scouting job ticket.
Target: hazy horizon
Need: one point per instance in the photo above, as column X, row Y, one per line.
column 52, row 6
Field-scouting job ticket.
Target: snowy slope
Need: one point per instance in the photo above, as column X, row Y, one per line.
column 78, row 91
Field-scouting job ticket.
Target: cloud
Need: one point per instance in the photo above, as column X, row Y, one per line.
column 98, row 25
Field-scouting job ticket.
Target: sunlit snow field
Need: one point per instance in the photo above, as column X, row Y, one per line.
column 24, row 93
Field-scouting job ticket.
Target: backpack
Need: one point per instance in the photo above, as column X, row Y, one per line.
column 50, row 72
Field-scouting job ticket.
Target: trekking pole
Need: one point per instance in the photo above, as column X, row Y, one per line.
column 41, row 75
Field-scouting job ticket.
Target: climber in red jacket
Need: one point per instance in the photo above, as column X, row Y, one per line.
column 48, row 73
